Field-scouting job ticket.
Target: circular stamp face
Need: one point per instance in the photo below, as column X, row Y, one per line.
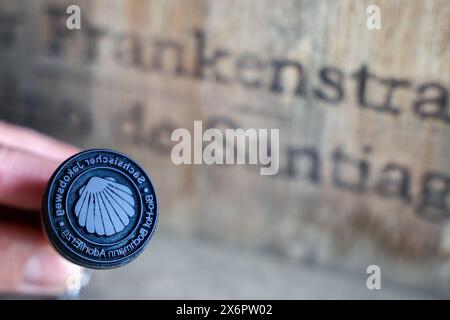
column 100, row 209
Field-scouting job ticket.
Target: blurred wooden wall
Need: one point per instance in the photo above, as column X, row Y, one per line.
column 363, row 114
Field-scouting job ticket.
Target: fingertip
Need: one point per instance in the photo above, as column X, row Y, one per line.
column 30, row 140
column 45, row 272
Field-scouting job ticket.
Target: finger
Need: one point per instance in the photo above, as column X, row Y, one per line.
column 30, row 265
column 23, row 178
column 30, row 140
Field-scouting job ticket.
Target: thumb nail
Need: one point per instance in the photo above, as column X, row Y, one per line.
column 47, row 273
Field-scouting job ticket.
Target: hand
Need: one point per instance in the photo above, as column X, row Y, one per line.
column 28, row 263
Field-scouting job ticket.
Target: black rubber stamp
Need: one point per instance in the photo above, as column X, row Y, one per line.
column 100, row 209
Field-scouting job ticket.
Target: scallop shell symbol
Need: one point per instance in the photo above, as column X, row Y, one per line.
column 104, row 206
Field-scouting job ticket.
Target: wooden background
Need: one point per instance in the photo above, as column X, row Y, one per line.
column 135, row 72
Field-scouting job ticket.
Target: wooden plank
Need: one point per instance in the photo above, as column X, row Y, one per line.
column 363, row 116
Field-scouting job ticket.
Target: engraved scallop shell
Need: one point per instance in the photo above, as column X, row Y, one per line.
column 104, row 206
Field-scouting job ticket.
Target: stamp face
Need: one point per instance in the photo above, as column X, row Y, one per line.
column 100, row 209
